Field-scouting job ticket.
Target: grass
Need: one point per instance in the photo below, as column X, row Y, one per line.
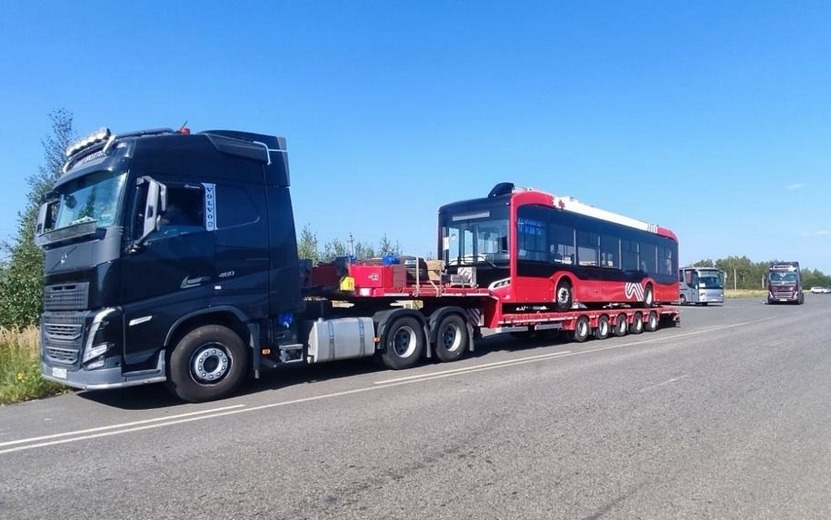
column 20, row 367
column 744, row 293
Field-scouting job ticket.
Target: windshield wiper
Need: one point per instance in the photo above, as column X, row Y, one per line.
column 83, row 220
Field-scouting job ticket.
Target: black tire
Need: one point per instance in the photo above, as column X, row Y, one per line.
column 582, row 329
column 800, row 299
column 563, row 296
column 452, row 338
column 621, row 325
column 403, row 343
column 208, row 363
column 651, row 324
column 604, row 328
column 683, row 300
column 648, row 296
column 637, row 324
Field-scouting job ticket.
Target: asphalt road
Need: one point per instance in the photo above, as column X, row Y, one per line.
column 727, row 416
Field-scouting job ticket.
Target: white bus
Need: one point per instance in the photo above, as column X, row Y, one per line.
column 700, row 285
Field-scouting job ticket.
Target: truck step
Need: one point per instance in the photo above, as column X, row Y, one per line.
column 291, row 353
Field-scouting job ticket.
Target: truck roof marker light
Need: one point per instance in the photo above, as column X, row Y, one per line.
column 100, row 135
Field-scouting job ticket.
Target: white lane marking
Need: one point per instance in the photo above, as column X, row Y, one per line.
column 114, row 426
column 231, row 410
column 667, row 382
column 496, row 364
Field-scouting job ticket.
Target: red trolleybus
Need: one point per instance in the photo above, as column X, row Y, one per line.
column 530, row 247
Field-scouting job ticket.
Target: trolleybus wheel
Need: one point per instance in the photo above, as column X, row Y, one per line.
column 648, row 296
column 563, row 295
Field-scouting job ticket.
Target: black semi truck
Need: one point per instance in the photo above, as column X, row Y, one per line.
column 172, row 257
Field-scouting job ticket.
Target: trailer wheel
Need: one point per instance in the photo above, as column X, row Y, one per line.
column 683, row 299
column 563, row 295
column 403, row 343
column 581, row 329
column 604, row 329
column 651, row 324
column 637, row 324
column 621, row 325
column 451, row 338
column 648, row 296
column 208, row 363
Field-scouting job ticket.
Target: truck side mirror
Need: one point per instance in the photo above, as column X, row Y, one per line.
column 154, row 205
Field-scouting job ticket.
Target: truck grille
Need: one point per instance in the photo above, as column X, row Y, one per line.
column 67, row 297
column 62, row 336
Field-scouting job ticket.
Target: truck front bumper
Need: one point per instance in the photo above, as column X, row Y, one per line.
column 103, row 378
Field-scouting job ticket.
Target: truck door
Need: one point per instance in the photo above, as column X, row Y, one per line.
column 168, row 269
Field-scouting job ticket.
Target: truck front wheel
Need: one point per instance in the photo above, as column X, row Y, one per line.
column 208, row 363
column 403, row 343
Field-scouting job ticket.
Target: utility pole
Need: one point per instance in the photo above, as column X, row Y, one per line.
column 734, row 278
column 351, row 245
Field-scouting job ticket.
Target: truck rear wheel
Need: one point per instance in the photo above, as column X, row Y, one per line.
column 403, row 343
column 451, row 338
column 208, row 363
column 581, row 329
column 651, row 324
column 637, row 324
column 621, row 325
column 604, row 328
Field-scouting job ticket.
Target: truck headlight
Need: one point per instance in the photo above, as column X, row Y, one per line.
column 96, row 346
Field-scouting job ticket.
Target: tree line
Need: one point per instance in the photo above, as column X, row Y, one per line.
column 308, row 247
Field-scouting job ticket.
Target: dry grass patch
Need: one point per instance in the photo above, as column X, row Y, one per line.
column 745, row 293
column 20, row 367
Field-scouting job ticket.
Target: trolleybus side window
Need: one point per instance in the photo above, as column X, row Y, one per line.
column 562, row 244
column 588, row 248
column 649, row 257
column 665, row 261
column 629, row 255
column 532, row 240
column 609, row 251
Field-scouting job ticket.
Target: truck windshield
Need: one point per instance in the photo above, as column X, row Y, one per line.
column 711, row 280
column 92, row 198
column 476, row 237
column 782, row 277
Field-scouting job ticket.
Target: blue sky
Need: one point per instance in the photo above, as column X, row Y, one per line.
column 709, row 118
